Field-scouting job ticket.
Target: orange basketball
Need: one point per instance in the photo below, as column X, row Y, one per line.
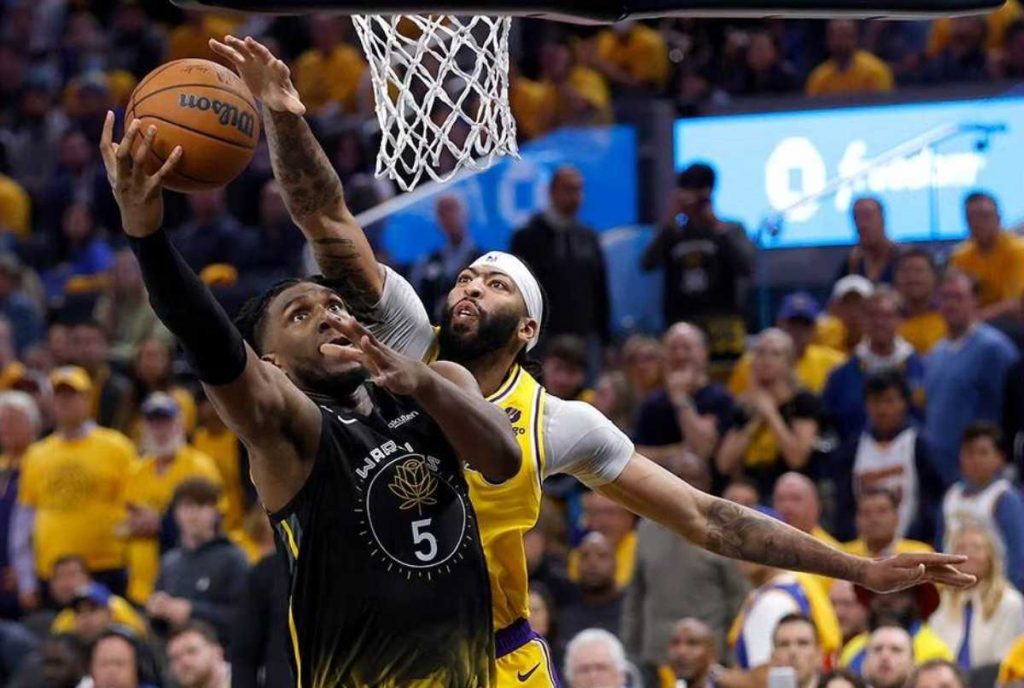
column 206, row 109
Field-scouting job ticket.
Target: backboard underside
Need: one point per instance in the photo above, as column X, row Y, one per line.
column 609, row 11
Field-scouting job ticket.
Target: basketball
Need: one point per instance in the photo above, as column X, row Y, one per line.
column 206, row 109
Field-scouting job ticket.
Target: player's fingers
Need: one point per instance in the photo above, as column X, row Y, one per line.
column 259, row 50
column 107, row 149
column 142, row 152
column 343, row 353
column 169, row 165
column 227, row 52
column 929, row 559
column 374, row 351
column 240, row 46
column 124, row 149
column 947, row 575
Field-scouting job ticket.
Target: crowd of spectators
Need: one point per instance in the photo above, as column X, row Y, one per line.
column 889, row 418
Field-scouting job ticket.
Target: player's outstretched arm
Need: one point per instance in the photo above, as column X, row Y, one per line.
column 255, row 398
column 741, row 533
column 311, row 188
column 479, row 432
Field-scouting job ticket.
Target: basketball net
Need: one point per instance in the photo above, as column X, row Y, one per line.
column 440, row 84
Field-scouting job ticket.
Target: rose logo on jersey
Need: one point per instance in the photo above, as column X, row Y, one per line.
column 414, row 484
column 415, row 516
column 513, row 414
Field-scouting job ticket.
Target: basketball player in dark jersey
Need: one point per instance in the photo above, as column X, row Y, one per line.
column 362, row 478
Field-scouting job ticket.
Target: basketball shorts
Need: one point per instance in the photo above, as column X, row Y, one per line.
column 524, row 659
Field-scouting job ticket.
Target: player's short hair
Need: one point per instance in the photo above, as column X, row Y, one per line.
column 881, row 382
column 199, row 627
column 983, row 429
column 932, row 664
column 249, row 320
column 197, row 491
column 795, row 618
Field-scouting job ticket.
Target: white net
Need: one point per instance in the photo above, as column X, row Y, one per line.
column 440, row 84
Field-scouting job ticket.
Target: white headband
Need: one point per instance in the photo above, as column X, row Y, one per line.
column 524, row 281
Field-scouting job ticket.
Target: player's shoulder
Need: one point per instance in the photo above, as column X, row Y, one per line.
column 577, row 415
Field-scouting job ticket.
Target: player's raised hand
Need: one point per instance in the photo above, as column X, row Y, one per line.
column 267, row 77
column 391, row 370
column 902, row 571
column 138, row 194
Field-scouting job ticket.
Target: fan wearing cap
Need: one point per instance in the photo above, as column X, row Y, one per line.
column 798, row 317
column 492, row 319
column 73, row 486
column 92, row 610
column 167, row 461
column 843, row 327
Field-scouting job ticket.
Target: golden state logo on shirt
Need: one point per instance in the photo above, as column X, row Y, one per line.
column 413, row 515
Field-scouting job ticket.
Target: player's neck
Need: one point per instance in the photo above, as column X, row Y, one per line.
column 358, row 401
column 491, row 370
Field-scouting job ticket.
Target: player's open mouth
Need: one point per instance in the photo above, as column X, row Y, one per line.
column 465, row 310
column 340, row 341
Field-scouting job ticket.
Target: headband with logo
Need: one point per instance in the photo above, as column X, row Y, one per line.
column 524, row 280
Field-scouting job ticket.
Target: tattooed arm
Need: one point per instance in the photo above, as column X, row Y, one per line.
column 316, row 202
column 309, row 184
column 740, row 533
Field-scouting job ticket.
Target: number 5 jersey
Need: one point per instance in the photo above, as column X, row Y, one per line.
column 388, row 581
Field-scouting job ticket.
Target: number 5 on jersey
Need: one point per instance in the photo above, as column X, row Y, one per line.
column 420, row 534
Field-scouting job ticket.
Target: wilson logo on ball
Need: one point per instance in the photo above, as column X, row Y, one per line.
column 228, row 114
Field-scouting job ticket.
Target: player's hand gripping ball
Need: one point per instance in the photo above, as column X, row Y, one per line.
column 206, row 109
